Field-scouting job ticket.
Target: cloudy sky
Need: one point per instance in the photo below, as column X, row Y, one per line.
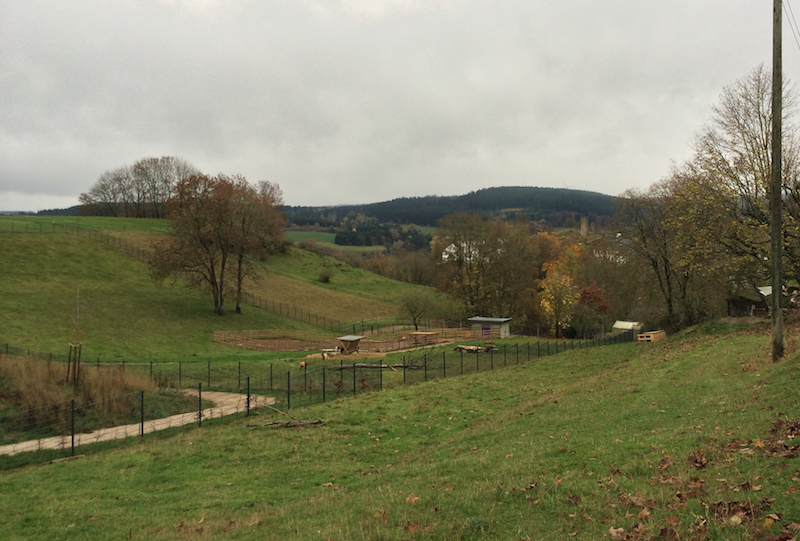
column 358, row 101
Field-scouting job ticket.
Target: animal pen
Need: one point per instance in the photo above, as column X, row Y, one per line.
column 291, row 340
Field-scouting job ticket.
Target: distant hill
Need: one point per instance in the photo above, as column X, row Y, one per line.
column 555, row 205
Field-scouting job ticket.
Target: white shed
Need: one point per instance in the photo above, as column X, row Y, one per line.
column 491, row 327
column 620, row 327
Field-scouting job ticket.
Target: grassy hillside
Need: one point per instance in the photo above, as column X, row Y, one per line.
column 122, row 313
column 692, row 438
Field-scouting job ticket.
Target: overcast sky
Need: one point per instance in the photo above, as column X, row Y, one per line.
column 359, row 101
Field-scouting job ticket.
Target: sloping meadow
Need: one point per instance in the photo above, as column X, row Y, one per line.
column 692, row 438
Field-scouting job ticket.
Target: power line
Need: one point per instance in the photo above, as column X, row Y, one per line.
column 793, row 23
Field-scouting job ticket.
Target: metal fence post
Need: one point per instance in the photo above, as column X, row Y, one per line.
column 444, row 365
column 289, row 389
column 404, row 368
column 354, row 379
column 380, row 372
column 141, row 418
column 239, row 384
column 199, row 404
column 248, row 396
column 462, row 362
column 491, row 358
column 180, row 374
column 323, row 384
column 270, row 376
column 72, row 427
column 477, row 361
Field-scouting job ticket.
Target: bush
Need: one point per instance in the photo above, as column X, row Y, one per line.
column 325, row 276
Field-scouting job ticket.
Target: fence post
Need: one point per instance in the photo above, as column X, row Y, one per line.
column 98, row 361
column 72, row 423
column 141, row 418
column 425, row 362
column 444, row 365
column 180, row 374
column 404, row 368
column 477, row 361
column 199, row 404
column 462, row 362
column 151, row 370
column 380, row 371
column 305, row 378
column 270, row 376
column 323, row 384
column 248, row 396
column 354, row 379
column 289, row 389
column 239, row 384
column 504, row 355
column 491, row 358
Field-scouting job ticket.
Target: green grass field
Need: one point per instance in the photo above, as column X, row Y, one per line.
column 676, row 439
column 122, row 313
column 327, row 240
column 695, row 437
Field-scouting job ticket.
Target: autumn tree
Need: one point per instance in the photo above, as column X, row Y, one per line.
column 558, row 293
column 218, row 223
column 488, row 266
column 734, row 151
column 588, row 315
column 258, row 227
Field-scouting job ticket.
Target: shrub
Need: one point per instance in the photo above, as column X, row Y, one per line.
column 325, row 276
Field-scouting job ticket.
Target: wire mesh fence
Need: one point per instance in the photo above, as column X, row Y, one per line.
column 57, row 429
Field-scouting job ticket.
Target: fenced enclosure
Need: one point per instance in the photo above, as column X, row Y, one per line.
column 383, row 342
column 283, row 385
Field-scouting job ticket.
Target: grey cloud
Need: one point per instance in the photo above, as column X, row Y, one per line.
column 357, row 101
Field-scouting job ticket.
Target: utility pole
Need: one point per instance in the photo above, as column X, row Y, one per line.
column 775, row 201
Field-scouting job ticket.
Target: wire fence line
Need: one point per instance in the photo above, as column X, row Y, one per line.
column 242, row 386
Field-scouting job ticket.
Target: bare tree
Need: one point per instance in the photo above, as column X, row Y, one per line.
column 139, row 191
column 734, row 151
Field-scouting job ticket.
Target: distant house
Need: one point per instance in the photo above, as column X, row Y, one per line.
column 491, row 327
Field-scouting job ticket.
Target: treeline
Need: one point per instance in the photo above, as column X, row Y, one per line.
column 411, row 239
column 556, row 207
column 140, row 190
column 701, row 235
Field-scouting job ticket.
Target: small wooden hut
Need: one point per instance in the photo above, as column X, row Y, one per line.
column 349, row 343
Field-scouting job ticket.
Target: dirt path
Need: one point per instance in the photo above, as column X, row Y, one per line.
column 224, row 404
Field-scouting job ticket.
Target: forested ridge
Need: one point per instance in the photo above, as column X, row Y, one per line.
column 533, row 203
